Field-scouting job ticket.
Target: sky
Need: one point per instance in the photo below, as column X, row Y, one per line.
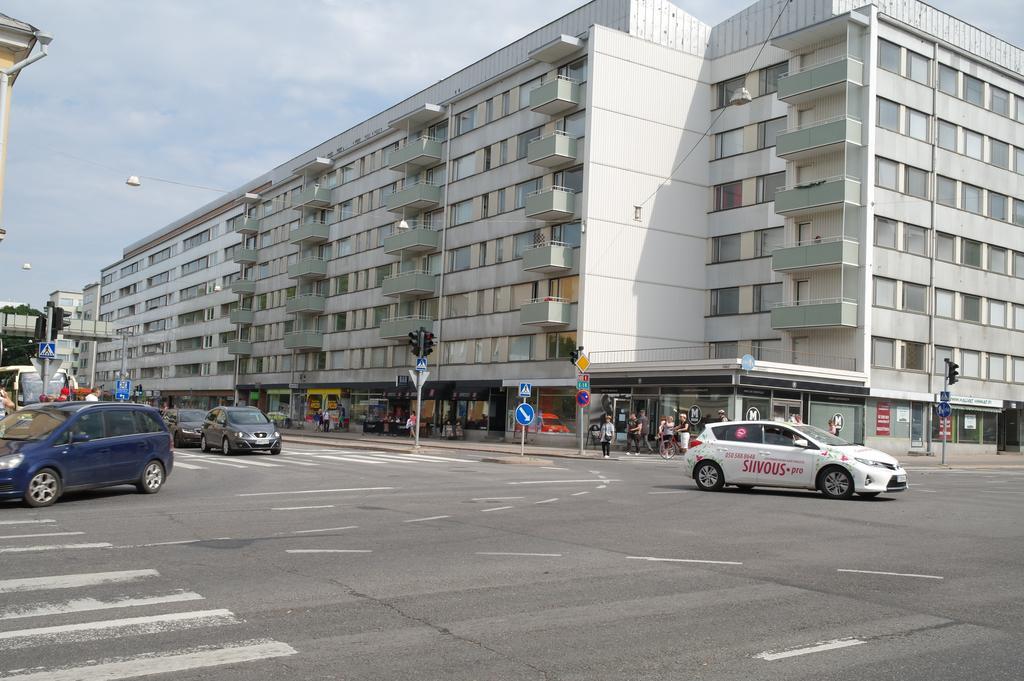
column 216, row 93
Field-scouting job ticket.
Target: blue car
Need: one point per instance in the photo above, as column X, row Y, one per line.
column 48, row 449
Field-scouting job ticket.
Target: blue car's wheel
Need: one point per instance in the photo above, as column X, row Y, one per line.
column 43, row 489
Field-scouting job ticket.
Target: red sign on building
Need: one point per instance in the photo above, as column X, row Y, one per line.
column 944, row 433
column 883, row 419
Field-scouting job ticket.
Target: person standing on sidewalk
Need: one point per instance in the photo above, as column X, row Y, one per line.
column 683, row 432
column 410, row 424
column 633, row 435
column 645, row 429
column 607, row 435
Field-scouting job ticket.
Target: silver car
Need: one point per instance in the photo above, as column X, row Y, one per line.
column 239, row 429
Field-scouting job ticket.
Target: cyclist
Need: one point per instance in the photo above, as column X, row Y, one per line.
column 666, row 432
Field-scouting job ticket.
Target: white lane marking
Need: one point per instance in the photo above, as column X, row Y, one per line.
column 819, row 648
column 578, row 494
column 43, row 534
column 91, row 604
column 25, row 522
column 918, row 489
column 423, row 520
column 144, row 665
column 295, row 462
column 218, row 463
column 56, row 547
column 163, row 543
column 558, row 482
column 1002, row 491
column 891, row 574
column 327, row 529
column 350, row 459
column 602, row 486
column 315, row 491
column 324, row 551
column 73, row 581
column 434, row 457
column 145, row 624
column 547, row 501
column 683, row 560
column 674, row 491
column 495, row 508
column 496, row 498
column 393, row 458
column 188, row 466
column 300, row 508
column 261, row 464
column 503, row 553
column 553, row 468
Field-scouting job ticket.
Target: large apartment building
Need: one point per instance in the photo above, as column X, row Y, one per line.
column 830, row 187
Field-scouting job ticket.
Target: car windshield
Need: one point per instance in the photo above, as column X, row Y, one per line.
column 31, row 424
column 191, row 415
column 247, row 418
column 822, row 436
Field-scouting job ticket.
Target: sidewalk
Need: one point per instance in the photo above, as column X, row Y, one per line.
column 404, row 444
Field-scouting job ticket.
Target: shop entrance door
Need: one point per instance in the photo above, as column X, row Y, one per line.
column 620, row 416
column 646, row 404
column 785, row 410
column 917, row 424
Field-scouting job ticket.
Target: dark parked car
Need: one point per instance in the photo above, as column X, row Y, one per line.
column 49, row 449
column 240, row 429
column 186, row 425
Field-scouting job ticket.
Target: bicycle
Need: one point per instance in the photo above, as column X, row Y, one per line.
column 668, row 447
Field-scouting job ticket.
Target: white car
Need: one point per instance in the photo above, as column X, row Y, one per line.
column 772, row 454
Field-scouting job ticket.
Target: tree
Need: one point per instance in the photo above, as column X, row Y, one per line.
column 17, row 350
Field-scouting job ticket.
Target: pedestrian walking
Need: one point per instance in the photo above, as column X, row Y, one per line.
column 667, row 433
column 325, row 421
column 683, row 433
column 645, row 425
column 316, row 420
column 607, row 435
column 832, row 429
column 721, row 416
column 633, row 435
column 410, row 424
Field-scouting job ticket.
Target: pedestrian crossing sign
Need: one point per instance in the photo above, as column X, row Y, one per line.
column 47, row 351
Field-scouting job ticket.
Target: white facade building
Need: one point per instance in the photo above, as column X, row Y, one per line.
column 850, row 227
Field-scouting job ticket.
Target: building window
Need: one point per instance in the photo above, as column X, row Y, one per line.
column 974, row 145
column 887, row 174
column 725, row 301
column 997, row 367
column 888, row 115
column 917, row 124
column 1018, row 212
column 974, row 90
column 766, row 241
column 767, row 185
column 768, row 78
column 970, row 308
column 725, row 248
column 998, row 100
column 970, row 364
column 464, row 166
column 885, row 292
column 460, row 259
column 997, row 313
column 726, row 89
column 915, row 297
column 997, row 206
column 570, row 179
column 915, row 239
column 1018, row 265
column 519, row 348
column 1018, row 369
column 970, row 253
column 768, row 131
column 885, row 232
column 525, row 240
column 524, row 189
column 462, row 212
column 465, row 121
column 883, row 352
column 997, row 259
column 998, row 153
column 524, row 139
column 1018, row 317
column 195, row 240
column 729, row 195
column 561, row 345
column 945, row 189
column 948, row 80
column 913, row 356
column 947, row 136
column 916, row 181
column 767, row 296
column 970, row 198
column 729, row 143
column 918, row 67
column 945, row 247
column 160, row 256
column 941, row 355
column 889, row 57
column 944, row 301
column 130, row 269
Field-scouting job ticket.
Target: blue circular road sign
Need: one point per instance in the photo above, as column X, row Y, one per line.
column 747, row 362
column 943, row 409
column 524, row 414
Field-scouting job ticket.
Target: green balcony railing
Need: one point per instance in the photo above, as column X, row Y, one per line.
column 308, row 268
column 818, row 80
column 400, row 327
column 304, row 340
column 416, row 239
column 815, row 314
column 240, row 315
column 306, row 303
column 416, row 154
column 551, row 151
column 547, row 311
column 310, row 232
column 819, row 253
column 552, row 256
column 412, row 283
column 554, row 203
column 239, row 347
column 817, row 137
column 416, row 197
column 556, row 96
column 815, row 195
column 246, row 256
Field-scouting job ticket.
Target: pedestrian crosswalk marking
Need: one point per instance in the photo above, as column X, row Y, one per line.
column 55, row 547
column 129, row 625
column 92, row 604
column 189, row 466
column 316, row 458
column 351, row 459
column 73, row 581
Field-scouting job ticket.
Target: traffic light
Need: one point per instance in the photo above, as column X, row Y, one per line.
column 951, row 372
column 61, row 320
column 575, row 355
column 40, row 332
column 428, row 342
column 414, row 343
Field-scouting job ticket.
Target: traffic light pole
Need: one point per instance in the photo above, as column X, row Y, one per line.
column 945, row 419
column 49, row 334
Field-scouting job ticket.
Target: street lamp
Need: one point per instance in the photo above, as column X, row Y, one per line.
column 740, row 97
column 133, row 181
column 403, row 225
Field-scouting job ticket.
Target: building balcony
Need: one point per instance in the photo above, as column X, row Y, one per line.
column 401, row 327
column 419, row 196
column 552, row 151
column 311, row 231
column 239, row 347
column 246, row 225
column 416, row 239
column 820, row 80
column 306, row 303
column 304, row 340
column 416, row 154
column 246, row 256
column 240, row 315
column 555, row 97
column 244, row 286
column 819, row 254
column 818, row 138
column 809, row 197
column 812, row 314
column 415, row 283
column 555, row 203
column 308, row 268
column 548, row 257
column 314, row 197
column 547, row 311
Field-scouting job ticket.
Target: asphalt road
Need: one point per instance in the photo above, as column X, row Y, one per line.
column 326, row 563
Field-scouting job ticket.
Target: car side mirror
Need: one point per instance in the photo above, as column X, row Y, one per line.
column 800, row 442
column 79, row 437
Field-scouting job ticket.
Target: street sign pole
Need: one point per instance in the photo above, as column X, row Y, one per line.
column 46, row 361
column 945, row 434
column 421, row 378
column 522, row 440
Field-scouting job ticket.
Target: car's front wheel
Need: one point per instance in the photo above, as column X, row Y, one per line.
column 152, row 478
column 709, row 476
column 836, row 483
column 177, row 440
column 43, row 489
column 276, row 449
column 225, row 446
column 203, row 444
